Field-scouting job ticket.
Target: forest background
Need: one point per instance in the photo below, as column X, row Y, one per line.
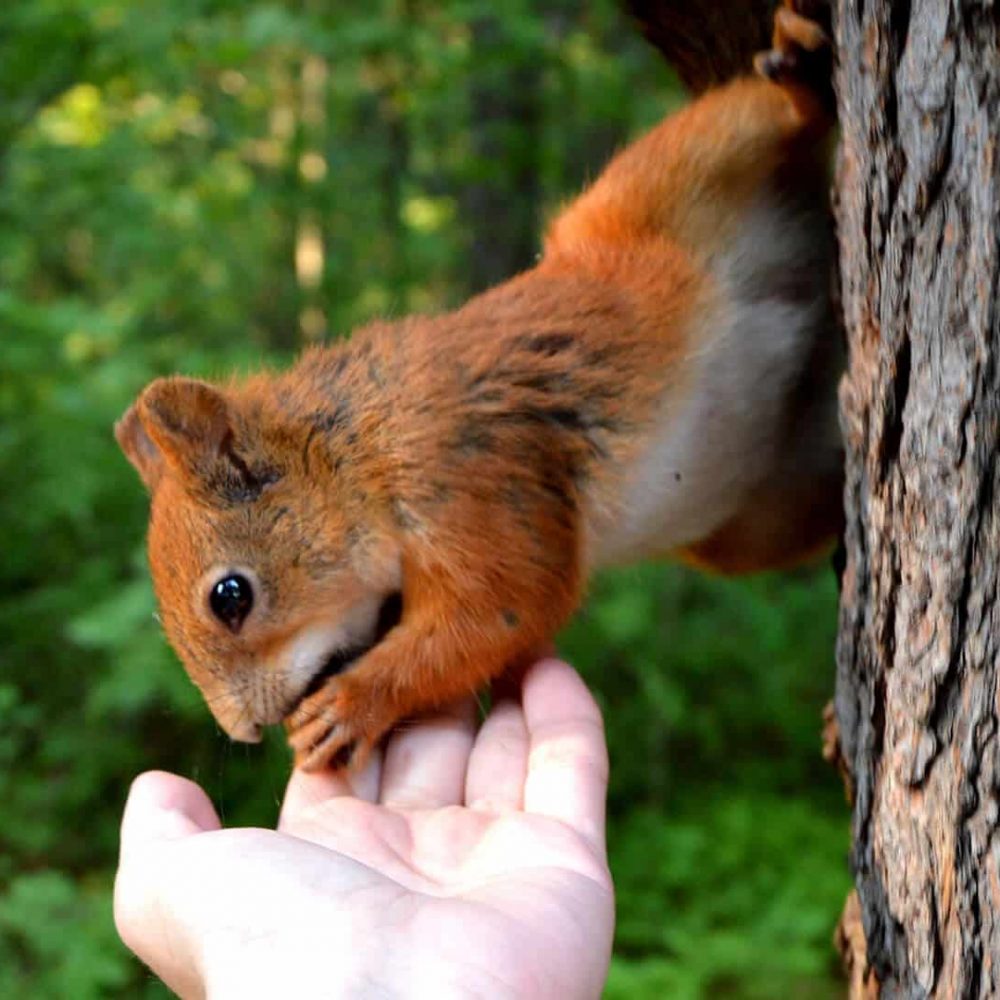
column 206, row 186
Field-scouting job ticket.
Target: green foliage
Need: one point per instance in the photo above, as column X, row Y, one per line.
column 728, row 836
column 723, row 679
column 735, row 893
column 56, row 941
column 204, row 186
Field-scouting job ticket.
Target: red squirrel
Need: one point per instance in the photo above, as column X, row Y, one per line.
column 400, row 517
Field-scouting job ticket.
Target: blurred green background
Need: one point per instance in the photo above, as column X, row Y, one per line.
column 205, row 185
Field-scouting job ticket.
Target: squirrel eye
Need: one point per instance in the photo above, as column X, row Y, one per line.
column 231, row 600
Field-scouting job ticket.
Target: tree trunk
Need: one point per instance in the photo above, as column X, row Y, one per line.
column 917, row 700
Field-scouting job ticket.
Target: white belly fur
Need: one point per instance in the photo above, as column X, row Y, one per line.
column 722, row 438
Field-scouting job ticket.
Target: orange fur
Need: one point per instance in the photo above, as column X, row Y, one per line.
column 481, row 463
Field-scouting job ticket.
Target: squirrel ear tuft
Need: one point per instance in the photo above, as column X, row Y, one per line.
column 179, row 422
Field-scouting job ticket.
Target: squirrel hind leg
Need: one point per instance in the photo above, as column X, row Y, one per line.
column 801, row 53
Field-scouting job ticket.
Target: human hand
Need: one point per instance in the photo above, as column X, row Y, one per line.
column 459, row 864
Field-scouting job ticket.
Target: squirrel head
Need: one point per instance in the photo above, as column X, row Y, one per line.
column 269, row 572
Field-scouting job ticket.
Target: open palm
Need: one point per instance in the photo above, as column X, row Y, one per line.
column 459, row 864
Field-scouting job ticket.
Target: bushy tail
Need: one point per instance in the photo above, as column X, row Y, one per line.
column 706, row 41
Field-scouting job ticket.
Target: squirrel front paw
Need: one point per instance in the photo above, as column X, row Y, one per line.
column 801, row 50
column 337, row 727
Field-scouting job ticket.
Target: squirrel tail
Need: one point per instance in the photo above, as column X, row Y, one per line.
column 706, row 41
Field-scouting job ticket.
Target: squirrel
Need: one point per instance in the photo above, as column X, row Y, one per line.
column 399, row 518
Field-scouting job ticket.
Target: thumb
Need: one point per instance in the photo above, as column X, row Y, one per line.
column 162, row 809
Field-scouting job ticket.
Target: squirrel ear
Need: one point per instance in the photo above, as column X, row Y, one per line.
column 139, row 448
column 177, row 421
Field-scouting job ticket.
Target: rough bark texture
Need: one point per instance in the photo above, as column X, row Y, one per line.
column 917, row 700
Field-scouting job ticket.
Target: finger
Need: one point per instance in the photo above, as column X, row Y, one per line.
column 162, row 810
column 307, row 791
column 201, row 906
column 499, row 760
column 511, row 681
column 567, row 777
column 425, row 761
column 163, row 806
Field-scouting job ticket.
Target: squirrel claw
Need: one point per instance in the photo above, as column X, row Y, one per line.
column 794, row 30
column 818, row 12
column 332, row 752
column 801, row 50
column 775, row 65
column 321, row 735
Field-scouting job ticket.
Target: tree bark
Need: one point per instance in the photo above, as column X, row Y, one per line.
column 918, row 191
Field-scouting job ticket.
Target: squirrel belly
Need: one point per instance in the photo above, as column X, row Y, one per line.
column 755, row 417
column 738, row 465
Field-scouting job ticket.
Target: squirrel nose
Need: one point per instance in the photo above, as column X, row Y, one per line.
column 244, row 731
column 235, row 719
